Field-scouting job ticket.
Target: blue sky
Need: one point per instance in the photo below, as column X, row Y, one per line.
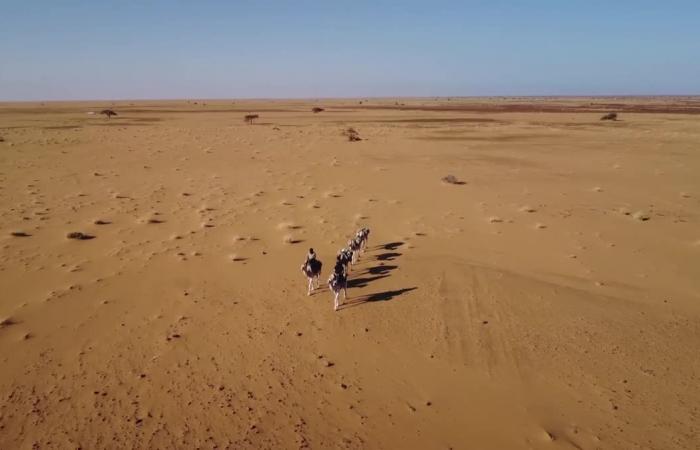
column 103, row 49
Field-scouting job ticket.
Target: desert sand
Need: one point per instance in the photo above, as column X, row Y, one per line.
column 549, row 299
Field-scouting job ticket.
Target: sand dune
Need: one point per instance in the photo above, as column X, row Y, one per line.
column 546, row 296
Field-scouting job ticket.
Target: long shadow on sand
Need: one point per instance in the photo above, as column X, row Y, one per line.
column 378, row 297
column 388, row 256
column 391, row 245
column 377, row 273
column 381, row 269
column 364, row 281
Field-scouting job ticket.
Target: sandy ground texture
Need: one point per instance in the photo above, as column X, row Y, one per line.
column 547, row 298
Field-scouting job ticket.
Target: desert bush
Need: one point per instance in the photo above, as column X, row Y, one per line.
column 451, row 179
column 352, row 135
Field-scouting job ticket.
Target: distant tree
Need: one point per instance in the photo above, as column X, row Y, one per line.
column 316, row 109
column 108, row 112
column 609, row 116
column 249, row 118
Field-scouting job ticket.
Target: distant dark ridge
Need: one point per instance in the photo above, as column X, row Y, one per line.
column 532, row 107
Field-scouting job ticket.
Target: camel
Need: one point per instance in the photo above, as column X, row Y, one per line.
column 355, row 245
column 363, row 235
column 312, row 270
column 345, row 256
column 337, row 283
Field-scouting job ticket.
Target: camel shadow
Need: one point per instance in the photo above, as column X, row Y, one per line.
column 388, row 256
column 378, row 297
column 364, row 281
column 391, row 245
column 381, row 269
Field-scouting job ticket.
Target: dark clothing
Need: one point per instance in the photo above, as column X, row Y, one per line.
column 339, row 278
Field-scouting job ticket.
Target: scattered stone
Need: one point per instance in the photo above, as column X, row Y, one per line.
column 20, row 234
column 79, row 236
column 495, row 219
column 6, row 322
column 289, row 239
column 101, row 222
column 641, row 216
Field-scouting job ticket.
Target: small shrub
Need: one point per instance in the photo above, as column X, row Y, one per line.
column 451, row 179
column 352, row 135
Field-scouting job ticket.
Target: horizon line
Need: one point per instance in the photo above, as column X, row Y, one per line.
column 373, row 97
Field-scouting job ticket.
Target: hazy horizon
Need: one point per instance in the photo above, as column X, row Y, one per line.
column 379, row 97
column 311, row 50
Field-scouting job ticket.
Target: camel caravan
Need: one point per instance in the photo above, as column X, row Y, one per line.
column 345, row 259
